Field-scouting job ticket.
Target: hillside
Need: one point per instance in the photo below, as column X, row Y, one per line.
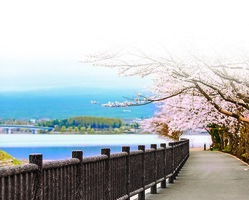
column 7, row 160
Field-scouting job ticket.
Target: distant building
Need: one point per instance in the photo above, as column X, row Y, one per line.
column 33, row 121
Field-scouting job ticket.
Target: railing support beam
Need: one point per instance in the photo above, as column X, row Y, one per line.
column 172, row 178
column 153, row 189
column 127, row 150
column 38, row 179
column 79, row 178
column 107, row 174
column 163, row 183
column 141, row 195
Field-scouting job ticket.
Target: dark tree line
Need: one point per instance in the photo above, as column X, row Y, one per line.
column 87, row 122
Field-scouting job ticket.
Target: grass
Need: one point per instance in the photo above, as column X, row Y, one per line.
column 216, row 149
column 7, row 158
column 226, row 149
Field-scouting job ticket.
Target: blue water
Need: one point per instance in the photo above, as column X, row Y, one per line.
column 54, row 147
column 65, row 104
column 58, row 153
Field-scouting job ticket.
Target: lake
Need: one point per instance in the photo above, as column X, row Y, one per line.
column 51, row 106
column 54, row 147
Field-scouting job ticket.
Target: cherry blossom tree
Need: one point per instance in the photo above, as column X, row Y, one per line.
column 191, row 92
column 220, row 83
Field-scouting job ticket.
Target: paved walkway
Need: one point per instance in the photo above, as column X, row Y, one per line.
column 208, row 175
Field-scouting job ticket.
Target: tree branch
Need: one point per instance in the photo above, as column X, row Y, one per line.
column 222, row 95
column 218, row 108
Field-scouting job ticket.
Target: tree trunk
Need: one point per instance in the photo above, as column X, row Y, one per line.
column 246, row 143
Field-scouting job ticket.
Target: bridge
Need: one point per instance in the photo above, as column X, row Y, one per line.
column 34, row 129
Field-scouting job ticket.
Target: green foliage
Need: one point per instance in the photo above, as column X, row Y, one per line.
column 215, row 149
column 63, row 128
column 117, row 130
column 134, row 125
column 226, row 149
column 82, row 129
column 92, row 131
column 5, row 158
column 76, row 129
column 215, row 134
column 70, row 129
column 83, row 123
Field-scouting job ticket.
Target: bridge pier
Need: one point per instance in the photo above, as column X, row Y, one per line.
column 34, row 131
column 8, row 130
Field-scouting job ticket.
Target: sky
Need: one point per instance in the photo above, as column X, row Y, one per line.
column 42, row 43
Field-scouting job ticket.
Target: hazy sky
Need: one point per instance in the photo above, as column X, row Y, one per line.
column 43, row 42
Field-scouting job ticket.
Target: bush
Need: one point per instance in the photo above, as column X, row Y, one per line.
column 226, row 149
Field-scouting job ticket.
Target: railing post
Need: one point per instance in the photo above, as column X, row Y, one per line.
column 127, row 150
column 141, row 195
column 177, row 159
column 38, row 179
column 107, row 175
column 153, row 189
column 171, row 179
column 79, row 183
column 163, row 183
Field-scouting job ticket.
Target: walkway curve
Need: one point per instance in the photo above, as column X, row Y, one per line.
column 208, row 175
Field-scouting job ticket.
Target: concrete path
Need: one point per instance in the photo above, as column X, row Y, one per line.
column 208, row 175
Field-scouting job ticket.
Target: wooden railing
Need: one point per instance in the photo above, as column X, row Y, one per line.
column 108, row 176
